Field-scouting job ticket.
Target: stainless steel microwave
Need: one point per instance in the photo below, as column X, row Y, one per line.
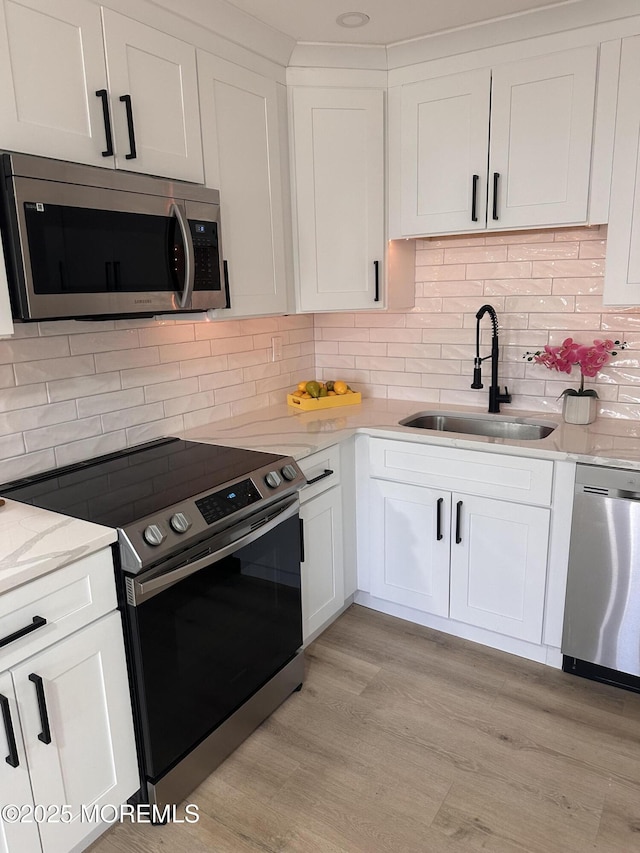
column 86, row 242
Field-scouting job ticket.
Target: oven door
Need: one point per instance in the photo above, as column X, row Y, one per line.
column 209, row 632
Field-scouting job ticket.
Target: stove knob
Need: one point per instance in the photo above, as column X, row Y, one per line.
column 153, row 535
column 179, row 522
column 272, row 479
column 289, row 472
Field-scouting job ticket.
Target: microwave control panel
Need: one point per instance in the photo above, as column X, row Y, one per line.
column 205, row 250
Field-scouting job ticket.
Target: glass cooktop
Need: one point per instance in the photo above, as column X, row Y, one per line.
column 122, row 487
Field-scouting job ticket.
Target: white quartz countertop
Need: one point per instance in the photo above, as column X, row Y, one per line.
column 283, row 429
column 36, row 541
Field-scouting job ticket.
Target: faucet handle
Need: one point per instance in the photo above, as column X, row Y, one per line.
column 506, row 397
column 477, row 378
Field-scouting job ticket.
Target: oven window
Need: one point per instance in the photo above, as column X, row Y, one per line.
column 208, row 643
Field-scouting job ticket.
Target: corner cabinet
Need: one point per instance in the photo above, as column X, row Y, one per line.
column 461, row 534
column 622, row 266
column 338, row 197
column 494, row 148
column 242, row 132
column 65, row 81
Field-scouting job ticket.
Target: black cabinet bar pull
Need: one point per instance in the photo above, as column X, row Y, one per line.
column 327, row 473
column 36, row 623
column 102, row 93
column 126, row 100
column 12, row 758
column 496, row 178
column 474, row 199
column 376, row 268
column 301, row 541
column 439, row 534
column 45, row 734
column 227, row 292
column 458, row 522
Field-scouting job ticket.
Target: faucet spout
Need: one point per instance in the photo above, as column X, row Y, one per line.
column 496, row 397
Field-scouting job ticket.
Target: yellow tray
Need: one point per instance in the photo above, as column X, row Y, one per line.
column 314, row 404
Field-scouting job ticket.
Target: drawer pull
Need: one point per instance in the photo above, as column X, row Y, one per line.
column 38, row 622
column 458, row 522
column 45, row 734
column 496, row 178
column 474, row 198
column 12, row 758
column 439, row 534
column 327, row 473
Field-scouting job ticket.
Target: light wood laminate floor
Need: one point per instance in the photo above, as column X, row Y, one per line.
column 405, row 739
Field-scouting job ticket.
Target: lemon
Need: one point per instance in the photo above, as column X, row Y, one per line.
column 340, row 387
column 302, row 386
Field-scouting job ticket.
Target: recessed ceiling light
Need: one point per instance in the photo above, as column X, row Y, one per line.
column 352, row 19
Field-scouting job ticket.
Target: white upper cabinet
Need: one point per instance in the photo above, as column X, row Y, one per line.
column 160, row 123
column 62, row 85
column 51, row 65
column 241, row 132
column 622, row 270
column 338, row 190
column 445, row 133
column 535, row 136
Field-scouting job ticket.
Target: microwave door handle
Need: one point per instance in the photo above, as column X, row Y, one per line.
column 190, row 266
column 143, row 590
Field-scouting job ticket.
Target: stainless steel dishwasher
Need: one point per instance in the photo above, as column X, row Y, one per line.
column 601, row 636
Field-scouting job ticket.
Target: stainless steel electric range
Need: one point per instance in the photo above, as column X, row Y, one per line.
column 208, row 575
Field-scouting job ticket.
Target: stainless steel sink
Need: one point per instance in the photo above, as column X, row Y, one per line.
column 494, row 426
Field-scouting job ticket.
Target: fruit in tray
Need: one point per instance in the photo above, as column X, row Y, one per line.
column 314, row 389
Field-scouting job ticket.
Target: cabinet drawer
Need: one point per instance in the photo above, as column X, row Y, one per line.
column 494, row 475
column 317, row 465
column 67, row 598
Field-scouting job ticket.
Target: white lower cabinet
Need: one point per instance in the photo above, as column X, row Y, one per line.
column 15, row 788
column 466, row 555
column 410, row 552
column 66, row 727
column 499, row 565
column 323, row 565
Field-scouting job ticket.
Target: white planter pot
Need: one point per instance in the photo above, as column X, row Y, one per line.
column 579, row 409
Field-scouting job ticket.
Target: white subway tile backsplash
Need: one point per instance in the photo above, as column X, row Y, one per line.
column 77, row 451
column 127, row 359
column 149, row 375
column 103, row 341
column 34, row 417
column 10, row 446
column 28, row 372
column 13, row 351
column 112, row 421
column 82, row 386
column 188, row 403
column 7, row 379
column 182, row 352
column 113, row 401
column 23, row 397
column 56, row 434
column 168, row 390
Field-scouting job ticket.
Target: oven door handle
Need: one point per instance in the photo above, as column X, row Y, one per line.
column 139, row 591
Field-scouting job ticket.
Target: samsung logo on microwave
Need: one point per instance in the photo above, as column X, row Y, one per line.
column 143, row 301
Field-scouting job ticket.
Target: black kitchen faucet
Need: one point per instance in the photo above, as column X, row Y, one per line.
column 495, row 397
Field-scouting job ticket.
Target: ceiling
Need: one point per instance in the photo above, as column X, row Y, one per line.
column 391, row 21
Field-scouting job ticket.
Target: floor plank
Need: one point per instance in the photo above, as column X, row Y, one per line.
column 404, row 739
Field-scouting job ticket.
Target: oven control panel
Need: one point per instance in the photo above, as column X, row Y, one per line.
column 227, row 501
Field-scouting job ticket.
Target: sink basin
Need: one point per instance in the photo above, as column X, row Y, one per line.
column 494, row 426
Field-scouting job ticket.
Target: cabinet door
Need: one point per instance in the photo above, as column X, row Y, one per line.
column 443, row 151
column 91, row 758
column 19, row 837
column 499, row 565
column 158, row 72
column 622, row 269
column 410, row 545
column 338, row 140
column 241, row 137
column 541, row 128
column 51, row 65
column 323, row 566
